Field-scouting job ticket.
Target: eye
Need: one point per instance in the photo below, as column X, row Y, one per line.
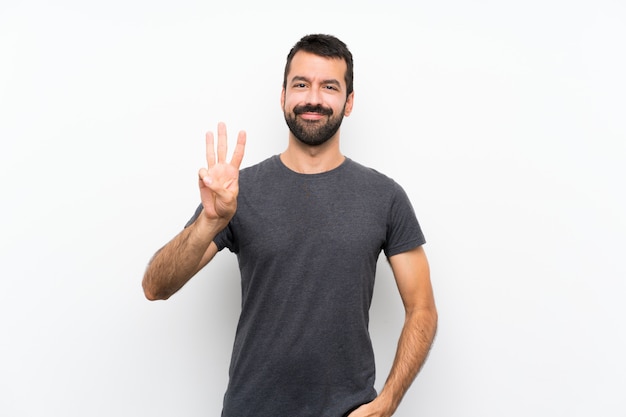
column 331, row 87
column 299, row 85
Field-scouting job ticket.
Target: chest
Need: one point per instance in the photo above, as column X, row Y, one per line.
column 311, row 216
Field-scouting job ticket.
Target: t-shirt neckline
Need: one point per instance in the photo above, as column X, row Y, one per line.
column 289, row 171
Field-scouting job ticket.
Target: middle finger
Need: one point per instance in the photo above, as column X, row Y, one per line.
column 222, row 145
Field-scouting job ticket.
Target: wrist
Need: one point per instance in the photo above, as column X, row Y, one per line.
column 207, row 228
column 386, row 404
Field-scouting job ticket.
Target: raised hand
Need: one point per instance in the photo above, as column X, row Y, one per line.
column 219, row 181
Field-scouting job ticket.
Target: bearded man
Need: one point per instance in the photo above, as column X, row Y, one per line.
column 307, row 227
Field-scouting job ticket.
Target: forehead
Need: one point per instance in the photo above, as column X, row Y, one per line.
column 306, row 64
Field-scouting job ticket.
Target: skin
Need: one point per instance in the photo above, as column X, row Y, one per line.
column 189, row 251
column 315, row 80
column 311, row 80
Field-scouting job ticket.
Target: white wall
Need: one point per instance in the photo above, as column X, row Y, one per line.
column 504, row 121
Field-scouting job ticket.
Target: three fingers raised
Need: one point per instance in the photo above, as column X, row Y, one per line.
column 222, row 147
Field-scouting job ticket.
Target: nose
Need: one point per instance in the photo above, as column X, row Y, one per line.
column 314, row 96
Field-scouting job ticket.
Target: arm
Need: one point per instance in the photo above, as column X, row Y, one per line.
column 412, row 276
column 180, row 259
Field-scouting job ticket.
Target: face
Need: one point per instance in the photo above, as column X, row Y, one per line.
column 314, row 99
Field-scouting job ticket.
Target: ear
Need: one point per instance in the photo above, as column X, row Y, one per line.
column 282, row 98
column 349, row 104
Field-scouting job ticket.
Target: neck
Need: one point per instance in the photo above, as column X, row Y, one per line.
column 306, row 159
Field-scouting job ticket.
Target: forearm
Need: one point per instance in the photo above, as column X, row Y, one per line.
column 413, row 346
column 179, row 260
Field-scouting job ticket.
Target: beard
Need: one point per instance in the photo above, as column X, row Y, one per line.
column 313, row 132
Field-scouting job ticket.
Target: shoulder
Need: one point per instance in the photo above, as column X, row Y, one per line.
column 370, row 176
column 267, row 167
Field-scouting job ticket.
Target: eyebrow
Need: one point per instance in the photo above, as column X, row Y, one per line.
column 302, row 78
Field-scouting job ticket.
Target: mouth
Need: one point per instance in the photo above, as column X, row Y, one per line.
column 311, row 116
column 312, row 113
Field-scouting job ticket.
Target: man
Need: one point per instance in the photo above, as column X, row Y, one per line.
column 307, row 226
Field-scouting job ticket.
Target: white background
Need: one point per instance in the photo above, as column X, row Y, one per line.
column 504, row 121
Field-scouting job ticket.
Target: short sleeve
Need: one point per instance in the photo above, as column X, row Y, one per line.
column 403, row 229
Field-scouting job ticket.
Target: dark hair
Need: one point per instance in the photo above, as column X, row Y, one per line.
column 325, row 46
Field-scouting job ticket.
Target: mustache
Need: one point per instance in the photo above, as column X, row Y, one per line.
column 310, row 108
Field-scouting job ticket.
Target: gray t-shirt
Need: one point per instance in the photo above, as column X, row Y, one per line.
column 307, row 247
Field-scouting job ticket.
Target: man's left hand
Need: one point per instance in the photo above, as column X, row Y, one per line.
column 373, row 409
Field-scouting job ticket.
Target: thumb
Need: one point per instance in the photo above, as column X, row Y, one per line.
column 204, row 178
